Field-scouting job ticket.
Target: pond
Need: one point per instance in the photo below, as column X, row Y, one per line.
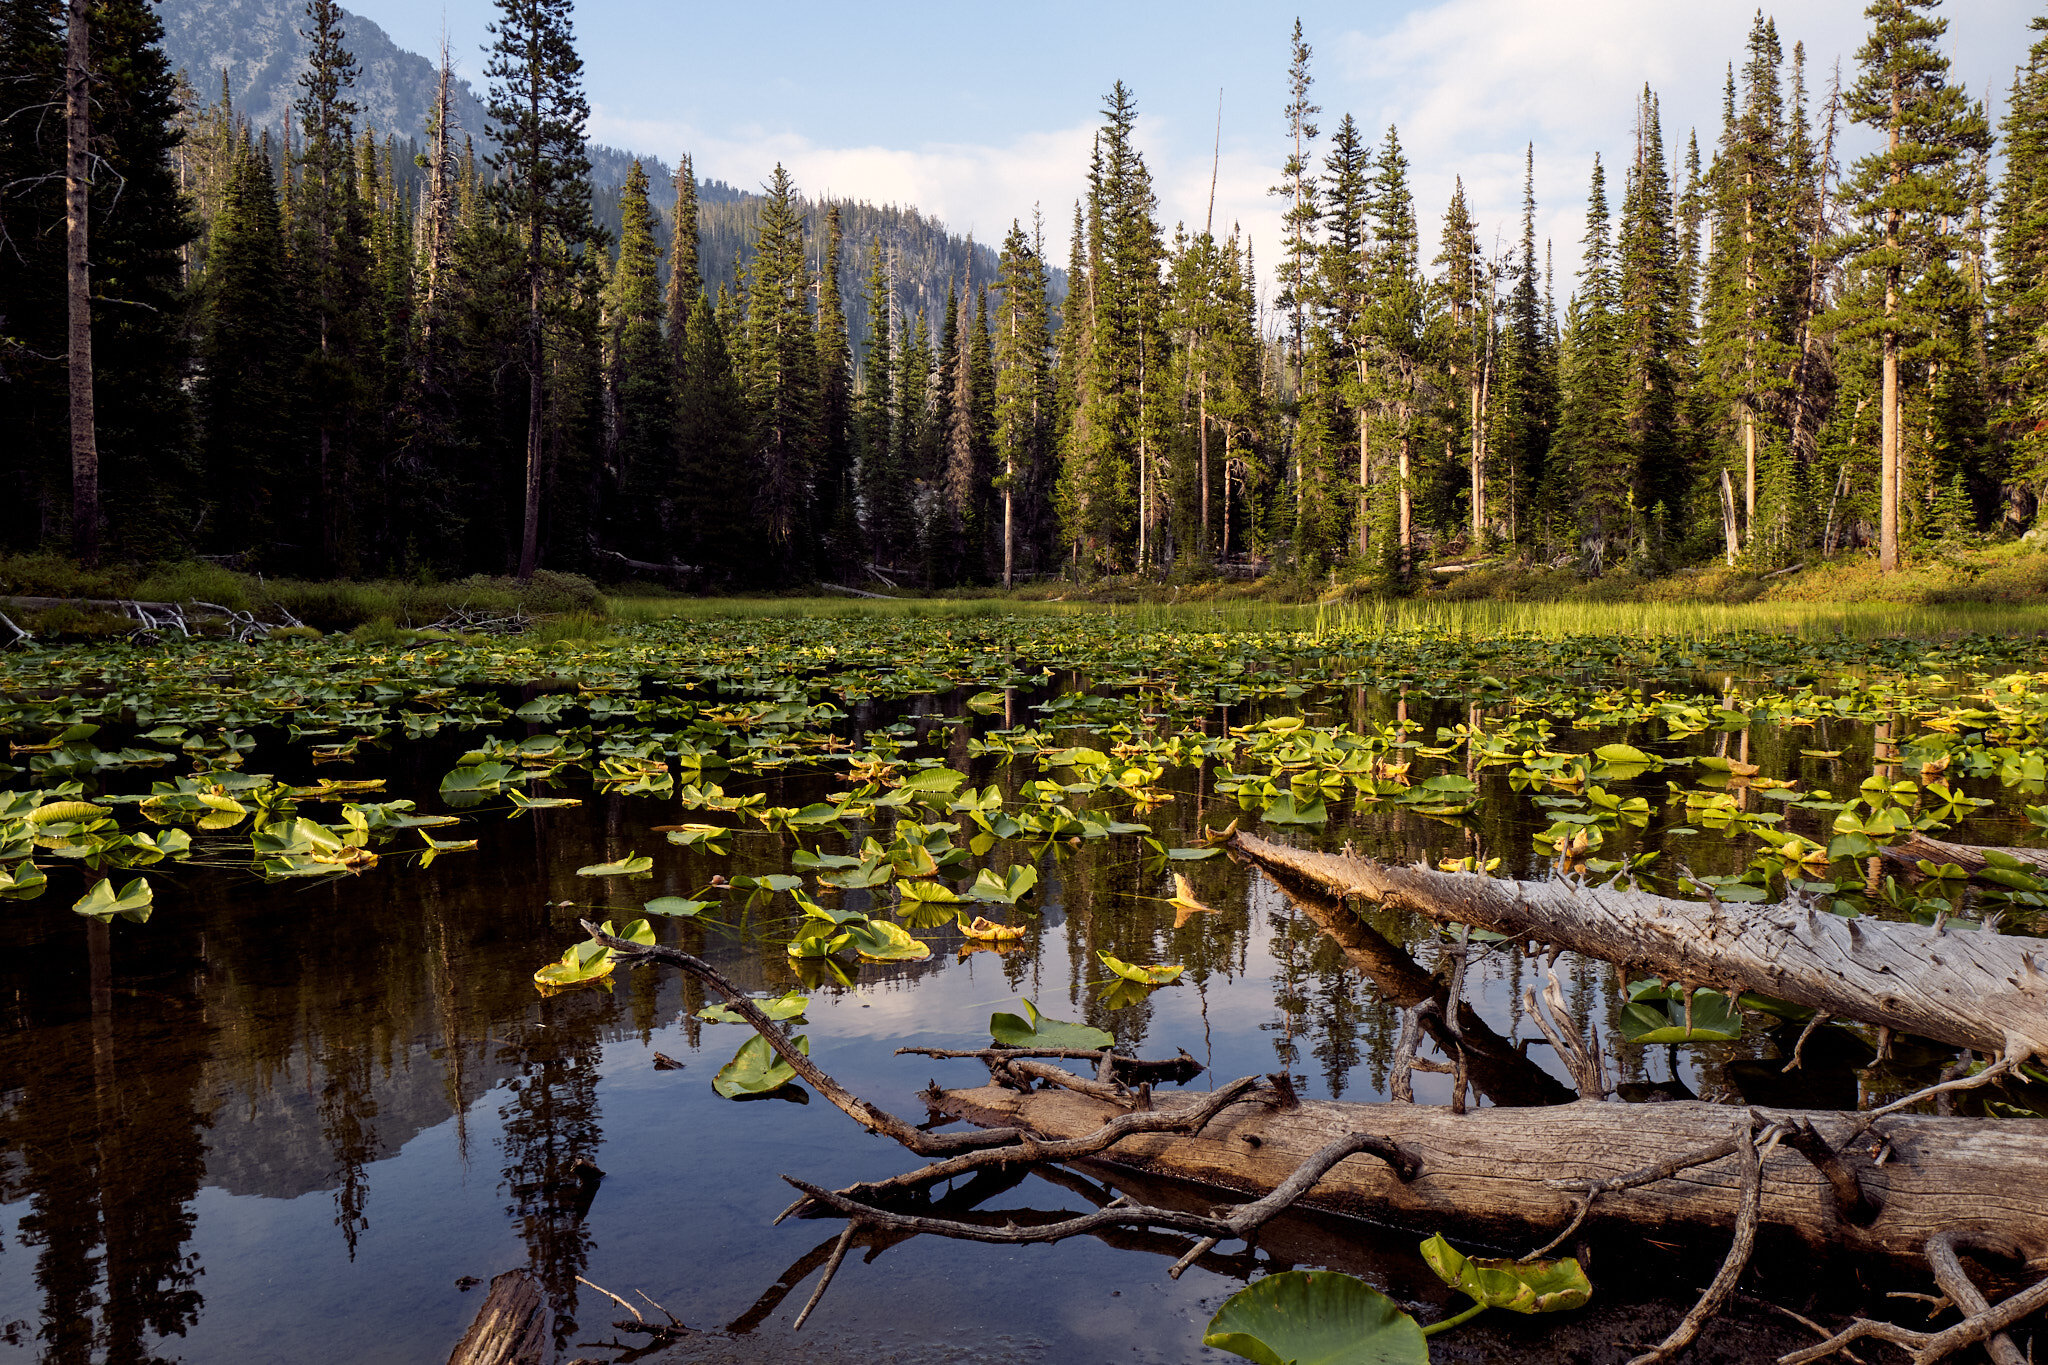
column 307, row 1118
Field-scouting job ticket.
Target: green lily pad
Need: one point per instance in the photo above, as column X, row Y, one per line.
column 628, row 866
column 1144, row 976
column 788, row 1005
column 1310, row 1317
column 133, row 901
column 1285, row 810
column 1656, row 1014
column 1532, row 1287
column 756, row 1069
column 674, row 905
column 880, row 940
column 1008, row 889
column 1035, row 1030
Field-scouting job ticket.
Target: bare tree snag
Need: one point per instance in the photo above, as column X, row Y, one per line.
column 1984, row 991
column 1508, row 1173
column 1916, row 848
column 85, row 451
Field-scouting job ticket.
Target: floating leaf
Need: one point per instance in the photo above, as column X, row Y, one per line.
column 879, row 940
column 1656, row 1013
column 628, row 866
column 1184, row 902
column 990, row 932
column 788, row 1005
column 1007, row 889
column 674, row 905
column 1144, row 976
column 1520, row 1287
column 133, row 901
column 1286, row 811
column 1622, row 756
column 1035, row 1030
column 1315, row 1317
column 756, row 1069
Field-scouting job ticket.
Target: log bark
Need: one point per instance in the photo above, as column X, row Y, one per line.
column 510, row 1329
column 1490, row 1172
column 1915, row 848
column 1977, row 990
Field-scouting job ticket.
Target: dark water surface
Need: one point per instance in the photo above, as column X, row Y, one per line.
column 286, row 1123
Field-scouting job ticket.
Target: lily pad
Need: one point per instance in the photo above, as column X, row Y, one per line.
column 1035, row 1030
column 1144, row 976
column 1311, row 1317
column 879, row 940
column 788, row 1005
column 674, row 905
column 1519, row 1287
column 1008, row 889
column 628, row 866
column 1657, row 1014
column 133, row 901
column 990, row 932
column 756, row 1069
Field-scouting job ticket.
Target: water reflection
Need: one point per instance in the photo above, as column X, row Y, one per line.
column 281, row 1122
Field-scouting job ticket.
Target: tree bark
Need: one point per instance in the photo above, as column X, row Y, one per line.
column 1978, row 990
column 510, row 1329
column 1489, row 1172
column 1732, row 544
column 1888, row 456
column 85, row 452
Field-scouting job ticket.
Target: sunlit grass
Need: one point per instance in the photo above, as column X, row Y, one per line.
column 1688, row 620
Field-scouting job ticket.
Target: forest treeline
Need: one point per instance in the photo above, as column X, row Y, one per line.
column 330, row 352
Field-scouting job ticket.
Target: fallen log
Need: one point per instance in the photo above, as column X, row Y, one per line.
column 1917, row 848
column 1984, row 991
column 1516, row 1174
column 511, row 1328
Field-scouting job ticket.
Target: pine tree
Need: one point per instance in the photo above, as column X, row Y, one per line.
column 638, row 374
column 1650, row 296
column 1909, row 201
column 1400, row 326
column 881, row 484
column 2020, row 244
column 685, row 277
column 537, row 112
column 714, row 525
column 1465, row 285
column 1344, row 290
column 245, row 398
column 1523, row 419
column 783, row 375
column 1023, row 380
column 834, row 476
column 1595, row 453
column 1106, row 475
column 1298, row 187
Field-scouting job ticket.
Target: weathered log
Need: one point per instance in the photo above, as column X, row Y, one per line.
column 1916, row 848
column 510, row 1329
column 1515, row 1175
column 1978, row 990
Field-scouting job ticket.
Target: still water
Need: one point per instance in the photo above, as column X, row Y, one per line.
column 292, row 1124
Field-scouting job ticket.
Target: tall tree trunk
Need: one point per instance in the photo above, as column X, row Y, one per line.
column 85, row 451
column 1748, row 472
column 1406, row 504
column 1478, row 471
column 1364, row 470
column 1202, row 441
column 1888, row 458
column 1728, row 533
column 1009, row 490
column 529, row 539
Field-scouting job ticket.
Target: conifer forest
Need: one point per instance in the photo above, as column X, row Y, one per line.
column 326, row 349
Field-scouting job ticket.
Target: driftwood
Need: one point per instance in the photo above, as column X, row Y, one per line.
column 1978, row 990
column 1918, row 848
column 1512, row 1173
column 855, row 592
column 510, row 1329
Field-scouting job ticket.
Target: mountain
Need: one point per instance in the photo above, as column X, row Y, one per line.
column 254, row 46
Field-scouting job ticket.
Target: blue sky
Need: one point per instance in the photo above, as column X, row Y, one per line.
column 976, row 112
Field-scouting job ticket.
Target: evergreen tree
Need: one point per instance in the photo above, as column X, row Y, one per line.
column 2020, row 245
column 881, row 483
column 783, row 376
column 834, row 478
column 1650, row 296
column 640, row 394
column 537, row 112
column 714, row 525
column 1523, row 419
column 331, row 266
column 245, row 397
column 1465, row 285
column 1596, row 455
column 1909, row 201
column 1400, row 326
column 1298, row 187
column 1023, row 384
column 1345, row 293
column 685, row 277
